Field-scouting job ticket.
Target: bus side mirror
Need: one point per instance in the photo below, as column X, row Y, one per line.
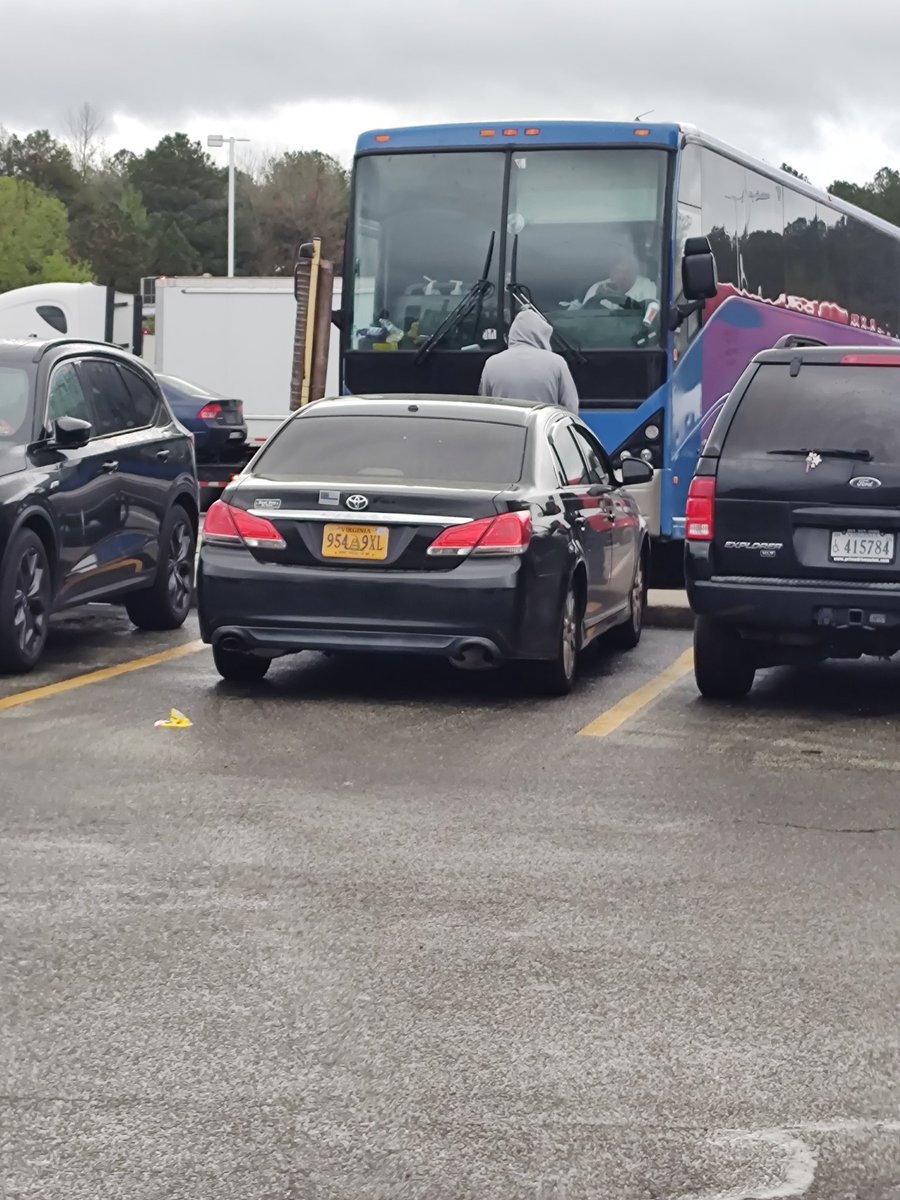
column 699, row 280
column 337, row 318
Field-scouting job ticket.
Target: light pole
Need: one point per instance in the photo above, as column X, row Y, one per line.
column 217, row 140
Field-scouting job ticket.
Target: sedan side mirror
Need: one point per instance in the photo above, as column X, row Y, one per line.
column 635, row 470
column 71, row 433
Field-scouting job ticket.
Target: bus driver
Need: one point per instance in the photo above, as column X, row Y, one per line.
column 625, row 283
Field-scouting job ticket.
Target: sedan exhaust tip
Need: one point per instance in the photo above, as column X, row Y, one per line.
column 473, row 657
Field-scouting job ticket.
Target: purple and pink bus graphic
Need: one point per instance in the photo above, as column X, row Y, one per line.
column 737, row 328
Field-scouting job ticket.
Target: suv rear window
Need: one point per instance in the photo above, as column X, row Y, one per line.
column 384, row 448
column 824, row 406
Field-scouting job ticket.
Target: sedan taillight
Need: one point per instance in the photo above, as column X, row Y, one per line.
column 225, row 524
column 509, row 533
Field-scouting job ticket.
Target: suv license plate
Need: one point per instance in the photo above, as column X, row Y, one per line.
column 862, row 546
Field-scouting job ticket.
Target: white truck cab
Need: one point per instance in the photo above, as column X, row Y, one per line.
column 77, row 310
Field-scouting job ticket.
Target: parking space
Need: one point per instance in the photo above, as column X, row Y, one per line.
column 374, row 926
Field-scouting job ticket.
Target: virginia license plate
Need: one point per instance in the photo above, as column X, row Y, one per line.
column 862, row 546
column 369, row 542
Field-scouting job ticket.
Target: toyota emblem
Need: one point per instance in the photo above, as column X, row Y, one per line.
column 357, row 503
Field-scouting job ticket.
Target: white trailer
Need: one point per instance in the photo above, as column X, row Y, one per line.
column 77, row 310
column 235, row 336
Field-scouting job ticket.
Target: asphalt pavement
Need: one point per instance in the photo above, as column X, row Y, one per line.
column 377, row 929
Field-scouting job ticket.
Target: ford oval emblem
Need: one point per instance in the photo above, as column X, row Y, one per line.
column 865, row 482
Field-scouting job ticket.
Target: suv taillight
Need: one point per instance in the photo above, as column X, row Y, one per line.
column 227, row 524
column 698, row 525
column 509, row 533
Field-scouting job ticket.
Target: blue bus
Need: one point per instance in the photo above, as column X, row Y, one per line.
column 453, row 227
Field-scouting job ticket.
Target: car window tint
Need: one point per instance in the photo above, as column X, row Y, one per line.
column 575, row 473
column 382, row 449
column 113, row 407
column 824, row 406
column 143, row 397
column 66, row 397
column 593, row 453
column 14, row 409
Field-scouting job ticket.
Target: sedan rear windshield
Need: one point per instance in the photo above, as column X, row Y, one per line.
column 408, row 449
column 823, row 406
column 15, row 411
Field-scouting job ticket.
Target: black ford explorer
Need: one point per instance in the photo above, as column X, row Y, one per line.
column 793, row 519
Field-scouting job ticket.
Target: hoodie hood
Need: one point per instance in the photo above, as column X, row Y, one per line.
column 530, row 329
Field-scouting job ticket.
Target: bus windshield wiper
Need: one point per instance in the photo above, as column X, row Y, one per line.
column 471, row 302
column 860, row 455
column 521, row 293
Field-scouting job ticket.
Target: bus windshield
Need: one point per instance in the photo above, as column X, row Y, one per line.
column 584, row 237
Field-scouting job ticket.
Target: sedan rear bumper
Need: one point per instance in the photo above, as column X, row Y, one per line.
column 498, row 605
column 286, row 641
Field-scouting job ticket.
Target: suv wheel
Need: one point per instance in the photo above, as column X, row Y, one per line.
column 238, row 667
column 166, row 604
column 627, row 636
column 723, row 663
column 556, row 676
column 25, row 600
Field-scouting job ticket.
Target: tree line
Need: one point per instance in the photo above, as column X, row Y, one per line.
column 70, row 211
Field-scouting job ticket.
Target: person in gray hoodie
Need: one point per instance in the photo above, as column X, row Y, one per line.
column 529, row 370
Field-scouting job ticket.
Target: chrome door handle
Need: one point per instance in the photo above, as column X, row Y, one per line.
column 163, row 455
column 109, row 467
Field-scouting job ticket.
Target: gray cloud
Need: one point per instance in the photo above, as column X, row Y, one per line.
column 769, row 75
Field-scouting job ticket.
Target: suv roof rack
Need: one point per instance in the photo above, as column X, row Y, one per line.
column 794, row 341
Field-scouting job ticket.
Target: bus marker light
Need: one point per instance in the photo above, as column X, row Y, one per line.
column 489, row 133
column 532, row 132
column 382, row 137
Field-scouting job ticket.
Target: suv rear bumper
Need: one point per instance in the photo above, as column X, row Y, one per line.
column 795, row 604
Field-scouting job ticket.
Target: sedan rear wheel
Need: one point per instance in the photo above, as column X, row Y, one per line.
column 628, row 635
column 556, row 676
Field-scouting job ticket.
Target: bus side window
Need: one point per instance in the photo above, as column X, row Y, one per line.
column 689, row 220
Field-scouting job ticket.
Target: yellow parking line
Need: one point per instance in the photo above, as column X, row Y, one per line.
column 614, row 718
column 80, row 681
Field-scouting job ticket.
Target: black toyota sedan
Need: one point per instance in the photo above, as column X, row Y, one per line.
column 98, row 493
column 477, row 530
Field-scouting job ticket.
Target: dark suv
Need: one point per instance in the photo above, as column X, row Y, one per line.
column 98, row 492
column 793, row 517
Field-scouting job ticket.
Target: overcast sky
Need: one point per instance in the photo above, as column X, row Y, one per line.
column 812, row 82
